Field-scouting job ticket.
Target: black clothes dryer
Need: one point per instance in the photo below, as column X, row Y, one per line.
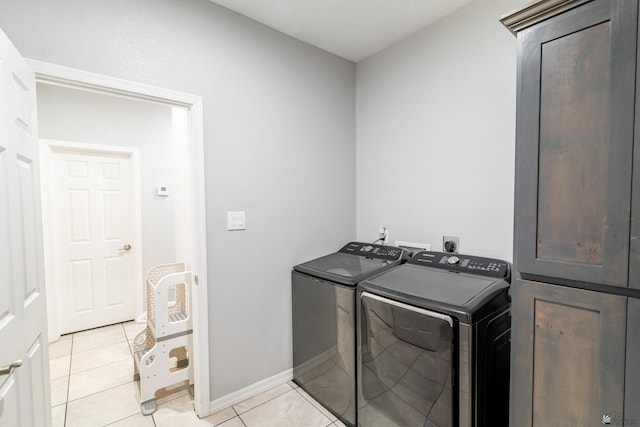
column 434, row 343
column 324, row 321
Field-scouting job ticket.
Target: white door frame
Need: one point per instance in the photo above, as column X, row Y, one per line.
column 48, row 147
column 73, row 78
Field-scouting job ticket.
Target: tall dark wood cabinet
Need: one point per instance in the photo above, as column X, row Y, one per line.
column 576, row 287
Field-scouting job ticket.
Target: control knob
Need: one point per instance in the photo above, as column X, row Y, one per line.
column 450, row 246
column 453, row 260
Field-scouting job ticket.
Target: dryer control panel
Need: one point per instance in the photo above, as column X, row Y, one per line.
column 370, row 250
column 463, row 263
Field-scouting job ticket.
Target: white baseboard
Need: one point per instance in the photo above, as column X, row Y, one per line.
column 250, row 391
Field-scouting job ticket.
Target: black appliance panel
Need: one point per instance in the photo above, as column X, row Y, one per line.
column 342, row 268
column 477, row 300
column 460, row 294
column 324, row 328
column 373, row 251
column 354, row 262
column 407, row 365
column 476, row 265
column 324, row 321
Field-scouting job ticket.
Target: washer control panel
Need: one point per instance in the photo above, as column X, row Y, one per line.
column 370, row 250
column 462, row 263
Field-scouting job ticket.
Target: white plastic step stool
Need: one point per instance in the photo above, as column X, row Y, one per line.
column 162, row 351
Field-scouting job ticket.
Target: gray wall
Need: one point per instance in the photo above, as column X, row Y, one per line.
column 279, row 121
column 74, row 115
column 436, row 120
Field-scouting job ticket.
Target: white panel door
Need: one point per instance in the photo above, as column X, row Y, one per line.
column 24, row 392
column 93, row 213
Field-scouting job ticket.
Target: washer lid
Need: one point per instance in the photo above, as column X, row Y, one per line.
column 354, row 262
column 344, row 268
column 459, row 294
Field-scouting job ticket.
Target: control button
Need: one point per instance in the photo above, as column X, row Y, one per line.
column 367, row 248
column 453, row 260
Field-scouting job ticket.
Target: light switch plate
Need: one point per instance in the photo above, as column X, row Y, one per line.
column 236, row 220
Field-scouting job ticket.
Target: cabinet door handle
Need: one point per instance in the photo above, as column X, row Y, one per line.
column 6, row 370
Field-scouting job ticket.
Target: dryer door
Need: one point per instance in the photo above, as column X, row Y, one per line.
column 405, row 365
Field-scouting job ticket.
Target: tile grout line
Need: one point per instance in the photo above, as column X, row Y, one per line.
column 69, row 376
column 106, row 345
column 315, row 407
column 99, row 391
column 237, row 415
column 100, row 347
column 97, row 367
column 266, row 401
column 120, row 385
column 100, row 366
column 331, row 422
column 73, row 353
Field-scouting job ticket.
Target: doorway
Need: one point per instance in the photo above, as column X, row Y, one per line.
column 186, row 111
column 80, row 121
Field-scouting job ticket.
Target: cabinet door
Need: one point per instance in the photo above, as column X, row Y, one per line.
column 568, row 358
column 631, row 407
column 576, row 83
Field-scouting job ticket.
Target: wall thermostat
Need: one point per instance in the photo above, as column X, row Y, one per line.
column 162, row 191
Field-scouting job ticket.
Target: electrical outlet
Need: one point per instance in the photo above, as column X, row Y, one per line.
column 383, row 234
column 451, row 244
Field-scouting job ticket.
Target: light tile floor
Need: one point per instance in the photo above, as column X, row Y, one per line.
column 92, row 385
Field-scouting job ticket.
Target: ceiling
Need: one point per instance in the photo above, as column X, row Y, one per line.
column 352, row 29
